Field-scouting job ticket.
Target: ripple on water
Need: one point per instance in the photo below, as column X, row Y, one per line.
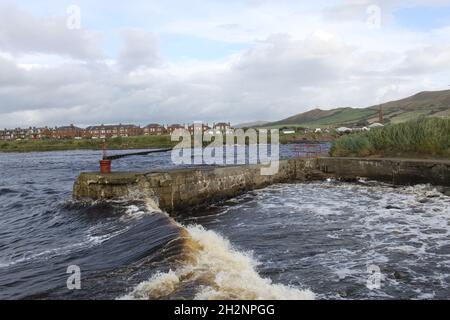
column 5, row 191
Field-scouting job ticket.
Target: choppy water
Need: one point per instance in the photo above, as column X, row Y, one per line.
column 325, row 235
column 287, row 241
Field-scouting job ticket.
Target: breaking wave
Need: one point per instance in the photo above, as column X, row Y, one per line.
column 217, row 271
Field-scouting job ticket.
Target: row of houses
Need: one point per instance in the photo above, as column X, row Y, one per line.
column 340, row 130
column 305, row 130
column 31, row 133
column 107, row 131
column 344, row 130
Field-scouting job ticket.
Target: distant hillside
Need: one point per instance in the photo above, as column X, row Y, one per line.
column 424, row 104
column 250, row 124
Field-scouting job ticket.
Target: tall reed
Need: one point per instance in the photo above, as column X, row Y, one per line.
column 425, row 136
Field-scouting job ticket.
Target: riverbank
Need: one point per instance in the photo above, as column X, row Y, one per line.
column 122, row 143
column 128, row 143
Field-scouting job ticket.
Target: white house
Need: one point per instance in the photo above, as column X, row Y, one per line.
column 344, row 130
column 376, row 125
column 358, row 129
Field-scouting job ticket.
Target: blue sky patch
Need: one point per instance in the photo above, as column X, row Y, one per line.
column 185, row 47
column 423, row 18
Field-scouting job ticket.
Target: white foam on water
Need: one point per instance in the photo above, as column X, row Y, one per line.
column 403, row 230
column 46, row 254
column 221, row 272
column 134, row 213
column 406, row 223
column 94, row 240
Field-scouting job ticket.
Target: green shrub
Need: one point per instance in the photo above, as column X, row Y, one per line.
column 426, row 136
column 351, row 145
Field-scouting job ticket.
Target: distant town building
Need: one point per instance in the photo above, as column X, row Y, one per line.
column 154, row 129
column 113, row 131
column 200, row 129
column 376, row 125
column 173, row 127
column 68, row 132
column 34, row 133
column 360, row 129
column 288, row 131
column 222, row 128
column 6, row 135
column 14, row 134
column 105, row 131
column 343, row 130
column 20, row 134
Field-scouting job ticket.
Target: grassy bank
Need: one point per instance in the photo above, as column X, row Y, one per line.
column 121, row 143
column 142, row 142
column 427, row 137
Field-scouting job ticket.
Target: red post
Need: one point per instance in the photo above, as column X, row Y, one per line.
column 105, row 164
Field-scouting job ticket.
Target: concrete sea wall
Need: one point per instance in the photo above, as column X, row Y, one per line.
column 395, row 171
column 177, row 189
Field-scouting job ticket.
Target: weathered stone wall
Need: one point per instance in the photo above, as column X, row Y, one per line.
column 180, row 188
column 395, row 171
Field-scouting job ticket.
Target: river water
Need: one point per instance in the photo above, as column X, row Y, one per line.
column 289, row 241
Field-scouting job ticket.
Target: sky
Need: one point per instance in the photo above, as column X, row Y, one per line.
column 174, row 61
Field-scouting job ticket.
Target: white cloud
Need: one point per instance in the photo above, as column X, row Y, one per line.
column 292, row 65
column 22, row 33
column 140, row 50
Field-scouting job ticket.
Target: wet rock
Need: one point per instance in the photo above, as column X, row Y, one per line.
column 423, row 200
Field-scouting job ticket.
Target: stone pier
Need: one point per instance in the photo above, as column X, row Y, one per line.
column 177, row 189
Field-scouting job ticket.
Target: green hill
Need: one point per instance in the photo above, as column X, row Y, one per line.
column 424, row 104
